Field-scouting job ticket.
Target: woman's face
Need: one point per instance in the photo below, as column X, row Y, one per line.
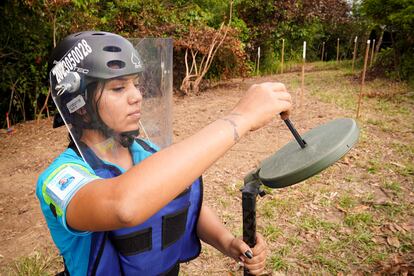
column 119, row 105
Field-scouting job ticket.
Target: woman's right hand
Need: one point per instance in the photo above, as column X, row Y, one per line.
column 262, row 103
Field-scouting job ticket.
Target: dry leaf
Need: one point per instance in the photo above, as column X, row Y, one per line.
column 397, row 164
column 408, row 227
column 375, row 240
column 360, row 208
column 392, row 228
column 341, row 209
column 379, row 240
column 393, row 241
column 334, row 239
column 398, row 228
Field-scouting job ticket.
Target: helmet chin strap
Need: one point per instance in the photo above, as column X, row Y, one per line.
column 127, row 138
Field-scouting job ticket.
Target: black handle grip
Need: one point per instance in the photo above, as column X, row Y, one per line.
column 301, row 142
column 249, row 218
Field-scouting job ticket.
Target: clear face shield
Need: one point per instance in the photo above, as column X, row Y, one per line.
column 109, row 92
column 156, row 120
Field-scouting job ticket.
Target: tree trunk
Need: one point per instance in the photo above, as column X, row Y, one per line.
column 377, row 47
column 396, row 56
column 48, row 94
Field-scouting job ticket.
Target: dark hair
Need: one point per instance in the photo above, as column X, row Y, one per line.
column 92, row 120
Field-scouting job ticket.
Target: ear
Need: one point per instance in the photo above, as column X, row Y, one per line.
column 81, row 111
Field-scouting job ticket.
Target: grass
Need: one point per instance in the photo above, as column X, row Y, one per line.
column 347, row 201
column 340, row 248
column 392, row 210
column 234, row 188
column 270, row 208
column 271, row 232
column 403, row 149
column 277, row 263
column 315, row 223
column 344, row 96
column 406, row 239
column 335, row 251
column 385, row 126
column 407, row 170
column 393, row 186
column 374, row 166
column 36, row 264
column 359, row 220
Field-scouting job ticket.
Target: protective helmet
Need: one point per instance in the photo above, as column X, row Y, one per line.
column 83, row 59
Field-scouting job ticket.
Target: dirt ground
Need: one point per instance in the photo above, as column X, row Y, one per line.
column 32, row 146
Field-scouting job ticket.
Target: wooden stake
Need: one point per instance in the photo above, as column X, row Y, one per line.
column 323, row 50
column 303, row 74
column 354, row 55
column 258, row 61
column 372, row 52
column 283, row 55
column 9, row 127
column 337, row 51
column 7, row 119
column 363, row 79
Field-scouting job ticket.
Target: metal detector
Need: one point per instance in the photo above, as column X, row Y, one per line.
column 298, row 160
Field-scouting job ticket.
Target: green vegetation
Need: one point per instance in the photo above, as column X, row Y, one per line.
column 347, row 201
column 271, row 232
column 277, row 262
column 398, row 15
column 30, row 29
column 37, row 264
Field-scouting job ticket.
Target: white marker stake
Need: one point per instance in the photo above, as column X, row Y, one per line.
column 283, row 55
column 337, row 51
column 354, row 55
column 304, row 49
column 323, row 50
column 303, row 73
column 372, row 52
column 363, row 79
column 258, row 60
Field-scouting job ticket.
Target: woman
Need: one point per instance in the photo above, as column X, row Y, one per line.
column 130, row 209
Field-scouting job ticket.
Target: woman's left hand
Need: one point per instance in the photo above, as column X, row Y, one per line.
column 238, row 250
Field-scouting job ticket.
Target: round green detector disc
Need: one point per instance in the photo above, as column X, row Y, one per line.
column 326, row 144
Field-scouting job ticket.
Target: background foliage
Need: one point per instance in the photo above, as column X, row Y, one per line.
column 30, row 27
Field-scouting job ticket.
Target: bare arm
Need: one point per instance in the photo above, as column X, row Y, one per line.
column 212, row 231
column 134, row 196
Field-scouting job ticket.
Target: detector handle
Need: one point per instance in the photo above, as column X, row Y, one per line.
column 249, row 194
column 301, row 142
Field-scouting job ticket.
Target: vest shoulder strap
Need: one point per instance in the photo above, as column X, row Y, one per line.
column 145, row 145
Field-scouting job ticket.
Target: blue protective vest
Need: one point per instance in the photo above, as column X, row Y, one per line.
column 155, row 247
